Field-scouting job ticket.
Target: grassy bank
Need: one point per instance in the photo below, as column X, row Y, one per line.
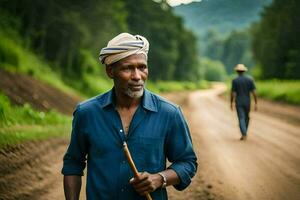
column 22, row 123
column 280, row 90
column 15, row 57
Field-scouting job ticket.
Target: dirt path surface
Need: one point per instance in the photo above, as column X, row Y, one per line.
column 264, row 167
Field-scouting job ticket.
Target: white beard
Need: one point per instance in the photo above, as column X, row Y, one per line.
column 134, row 94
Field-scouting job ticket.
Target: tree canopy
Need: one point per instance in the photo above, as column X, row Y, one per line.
column 276, row 41
column 70, row 33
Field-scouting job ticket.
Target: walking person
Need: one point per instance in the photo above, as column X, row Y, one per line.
column 154, row 129
column 241, row 88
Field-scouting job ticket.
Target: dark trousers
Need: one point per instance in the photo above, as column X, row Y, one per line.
column 243, row 115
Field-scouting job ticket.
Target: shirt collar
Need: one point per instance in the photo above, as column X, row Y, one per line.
column 148, row 100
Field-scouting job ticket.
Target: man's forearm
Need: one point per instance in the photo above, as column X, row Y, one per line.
column 232, row 97
column 72, row 186
column 171, row 176
column 254, row 96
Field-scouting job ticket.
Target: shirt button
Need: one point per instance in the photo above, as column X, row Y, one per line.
column 123, row 161
column 122, row 190
column 121, row 130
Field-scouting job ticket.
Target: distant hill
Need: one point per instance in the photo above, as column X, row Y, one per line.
column 222, row 15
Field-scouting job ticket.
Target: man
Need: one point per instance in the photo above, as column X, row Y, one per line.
column 242, row 86
column 154, row 129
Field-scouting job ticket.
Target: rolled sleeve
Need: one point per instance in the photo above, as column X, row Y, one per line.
column 180, row 151
column 74, row 160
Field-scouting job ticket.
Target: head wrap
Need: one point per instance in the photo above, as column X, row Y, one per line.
column 122, row 46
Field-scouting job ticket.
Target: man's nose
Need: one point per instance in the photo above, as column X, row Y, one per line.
column 135, row 74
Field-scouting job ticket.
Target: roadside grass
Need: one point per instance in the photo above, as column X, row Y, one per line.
column 176, row 86
column 286, row 91
column 17, row 134
column 22, row 123
column 280, row 90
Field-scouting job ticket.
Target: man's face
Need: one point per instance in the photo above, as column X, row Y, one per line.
column 129, row 75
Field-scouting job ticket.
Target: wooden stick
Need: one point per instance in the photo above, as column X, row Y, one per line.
column 132, row 165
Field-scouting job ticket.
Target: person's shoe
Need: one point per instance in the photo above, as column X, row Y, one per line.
column 244, row 137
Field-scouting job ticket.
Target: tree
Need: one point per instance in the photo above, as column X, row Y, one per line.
column 172, row 47
column 276, row 43
column 212, row 70
column 236, row 50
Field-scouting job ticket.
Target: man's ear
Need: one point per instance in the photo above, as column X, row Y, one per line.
column 109, row 71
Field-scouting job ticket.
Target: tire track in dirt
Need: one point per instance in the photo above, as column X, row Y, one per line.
column 28, row 170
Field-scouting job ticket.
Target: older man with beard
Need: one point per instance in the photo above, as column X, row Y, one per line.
column 153, row 128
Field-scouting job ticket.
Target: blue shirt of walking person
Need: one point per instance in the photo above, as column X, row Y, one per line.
column 158, row 131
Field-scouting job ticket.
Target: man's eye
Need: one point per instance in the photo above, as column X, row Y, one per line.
column 125, row 69
column 142, row 68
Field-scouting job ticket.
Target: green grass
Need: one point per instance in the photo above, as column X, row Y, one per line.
column 175, row 86
column 14, row 57
column 16, row 134
column 280, row 90
column 22, row 123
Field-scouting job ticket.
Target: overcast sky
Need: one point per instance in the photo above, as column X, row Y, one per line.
column 177, row 2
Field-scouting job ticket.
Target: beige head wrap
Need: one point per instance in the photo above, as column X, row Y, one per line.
column 122, row 46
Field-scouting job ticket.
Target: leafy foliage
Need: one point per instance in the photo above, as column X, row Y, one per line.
column 69, row 34
column 276, row 43
column 15, row 57
column 173, row 53
column 212, row 70
column 61, row 29
column 231, row 50
column 219, row 16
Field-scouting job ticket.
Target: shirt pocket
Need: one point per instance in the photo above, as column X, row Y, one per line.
column 149, row 153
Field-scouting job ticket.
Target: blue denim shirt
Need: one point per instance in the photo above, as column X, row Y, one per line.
column 158, row 131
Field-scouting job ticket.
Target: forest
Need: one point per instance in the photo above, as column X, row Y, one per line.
column 69, row 34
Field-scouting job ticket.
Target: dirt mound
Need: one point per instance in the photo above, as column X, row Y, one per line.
column 24, row 89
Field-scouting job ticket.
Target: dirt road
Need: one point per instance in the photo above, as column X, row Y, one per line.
column 265, row 167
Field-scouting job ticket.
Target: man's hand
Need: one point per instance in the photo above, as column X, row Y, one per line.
column 232, row 98
column 255, row 107
column 146, row 183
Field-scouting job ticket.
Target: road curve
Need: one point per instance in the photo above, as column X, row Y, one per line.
column 266, row 166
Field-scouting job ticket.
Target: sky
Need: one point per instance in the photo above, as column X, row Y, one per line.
column 178, row 2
